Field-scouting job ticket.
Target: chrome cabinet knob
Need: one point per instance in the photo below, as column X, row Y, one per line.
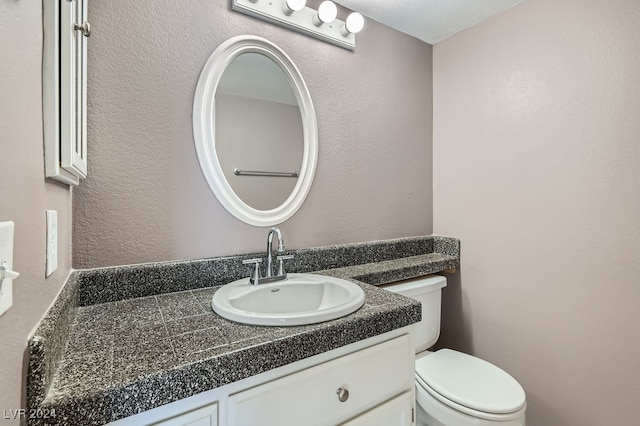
column 85, row 28
column 343, row 394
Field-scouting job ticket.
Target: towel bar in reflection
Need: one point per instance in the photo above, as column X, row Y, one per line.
column 239, row 172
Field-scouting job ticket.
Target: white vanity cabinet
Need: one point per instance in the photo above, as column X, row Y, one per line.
column 328, row 393
column 367, row 383
column 203, row 416
column 398, row 411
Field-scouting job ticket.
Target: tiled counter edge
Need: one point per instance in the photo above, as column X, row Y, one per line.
column 47, row 344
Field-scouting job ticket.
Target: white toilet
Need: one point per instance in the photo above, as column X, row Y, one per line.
column 453, row 388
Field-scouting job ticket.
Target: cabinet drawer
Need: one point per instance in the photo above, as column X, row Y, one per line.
column 204, row 416
column 397, row 412
column 309, row 397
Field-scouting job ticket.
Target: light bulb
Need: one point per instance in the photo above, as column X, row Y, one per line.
column 327, row 12
column 290, row 6
column 353, row 24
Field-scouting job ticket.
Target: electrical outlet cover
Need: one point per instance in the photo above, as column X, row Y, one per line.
column 52, row 241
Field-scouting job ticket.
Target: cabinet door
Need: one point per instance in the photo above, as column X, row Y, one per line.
column 396, row 412
column 64, row 80
column 73, row 86
column 329, row 393
column 205, row 416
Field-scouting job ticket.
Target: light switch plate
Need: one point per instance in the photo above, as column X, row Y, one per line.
column 52, row 241
column 6, row 254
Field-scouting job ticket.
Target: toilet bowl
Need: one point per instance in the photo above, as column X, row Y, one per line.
column 454, row 388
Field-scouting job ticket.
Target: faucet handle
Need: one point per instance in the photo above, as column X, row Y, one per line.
column 281, row 260
column 255, row 278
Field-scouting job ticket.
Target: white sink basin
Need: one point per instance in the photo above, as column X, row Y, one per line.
column 298, row 300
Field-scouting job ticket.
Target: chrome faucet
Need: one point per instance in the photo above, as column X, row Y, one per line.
column 269, row 275
column 268, row 268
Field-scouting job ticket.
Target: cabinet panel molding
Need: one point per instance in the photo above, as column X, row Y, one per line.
column 64, row 81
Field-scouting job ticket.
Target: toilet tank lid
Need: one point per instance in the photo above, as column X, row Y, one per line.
column 471, row 382
column 417, row 285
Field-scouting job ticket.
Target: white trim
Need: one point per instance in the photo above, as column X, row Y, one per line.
column 204, row 130
column 73, row 88
column 52, row 96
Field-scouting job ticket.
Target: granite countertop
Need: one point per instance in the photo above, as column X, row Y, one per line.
column 118, row 355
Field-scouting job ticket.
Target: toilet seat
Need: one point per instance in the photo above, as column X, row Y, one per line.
column 470, row 385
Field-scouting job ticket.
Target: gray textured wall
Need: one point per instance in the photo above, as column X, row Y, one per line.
column 24, row 193
column 542, row 185
column 146, row 199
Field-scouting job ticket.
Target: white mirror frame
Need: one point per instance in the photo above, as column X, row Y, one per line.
column 204, row 130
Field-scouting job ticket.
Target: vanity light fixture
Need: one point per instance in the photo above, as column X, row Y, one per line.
column 294, row 14
column 353, row 24
column 290, row 6
column 326, row 14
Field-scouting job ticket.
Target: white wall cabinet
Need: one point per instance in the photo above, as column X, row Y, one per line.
column 64, row 80
column 368, row 383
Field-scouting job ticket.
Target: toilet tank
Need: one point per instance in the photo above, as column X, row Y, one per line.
column 428, row 291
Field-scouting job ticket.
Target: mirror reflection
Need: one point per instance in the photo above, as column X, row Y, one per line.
column 258, row 131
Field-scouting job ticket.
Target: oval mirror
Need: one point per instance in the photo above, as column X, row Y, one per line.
column 255, row 130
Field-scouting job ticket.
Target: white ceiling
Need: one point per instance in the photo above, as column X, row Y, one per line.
column 429, row 20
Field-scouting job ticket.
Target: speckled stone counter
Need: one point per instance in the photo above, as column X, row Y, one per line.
column 119, row 341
